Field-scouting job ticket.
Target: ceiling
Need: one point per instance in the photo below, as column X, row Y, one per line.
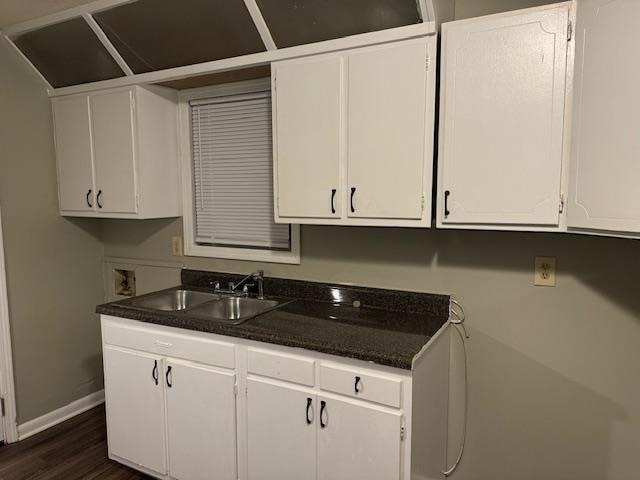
column 16, row 11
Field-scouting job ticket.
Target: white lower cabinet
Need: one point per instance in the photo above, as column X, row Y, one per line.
column 358, row 441
column 201, row 422
column 135, row 407
column 252, row 411
column 281, row 431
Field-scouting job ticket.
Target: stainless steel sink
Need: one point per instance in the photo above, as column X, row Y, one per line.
column 235, row 309
column 173, row 300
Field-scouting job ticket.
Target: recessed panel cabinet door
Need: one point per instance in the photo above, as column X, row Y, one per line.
column 201, row 422
column 73, row 154
column 605, row 152
column 358, row 441
column 502, row 116
column 281, row 432
column 308, row 136
column 386, row 131
column 135, row 407
column 114, row 155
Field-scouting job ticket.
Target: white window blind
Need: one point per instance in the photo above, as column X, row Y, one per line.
column 233, row 172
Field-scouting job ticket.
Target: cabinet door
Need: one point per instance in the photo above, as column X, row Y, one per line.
column 605, row 152
column 308, row 136
column 358, row 441
column 502, row 116
column 135, row 407
column 73, row 154
column 201, row 422
column 281, row 432
column 112, row 119
column 387, row 131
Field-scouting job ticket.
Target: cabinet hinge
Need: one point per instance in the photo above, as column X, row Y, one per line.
column 246, row 392
column 2, row 410
column 428, row 62
column 422, row 202
column 402, row 433
column 569, row 31
column 235, row 389
column 137, row 201
column 561, row 203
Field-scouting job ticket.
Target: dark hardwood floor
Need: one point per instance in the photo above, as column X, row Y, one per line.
column 75, row 449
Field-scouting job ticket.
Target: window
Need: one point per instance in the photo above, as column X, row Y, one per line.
column 228, row 175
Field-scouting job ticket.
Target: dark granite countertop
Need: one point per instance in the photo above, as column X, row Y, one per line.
column 388, row 327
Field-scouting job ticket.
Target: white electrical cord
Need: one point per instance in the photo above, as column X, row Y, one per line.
column 457, row 319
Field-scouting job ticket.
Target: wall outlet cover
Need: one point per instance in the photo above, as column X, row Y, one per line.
column 545, row 272
column 176, row 246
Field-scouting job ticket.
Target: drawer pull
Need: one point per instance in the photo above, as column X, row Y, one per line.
column 353, row 192
column 169, row 377
column 154, row 372
column 323, row 406
column 98, row 199
column 446, row 203
column 88, row 202
column 333, row 200
column 357, row 385
column 309, row 420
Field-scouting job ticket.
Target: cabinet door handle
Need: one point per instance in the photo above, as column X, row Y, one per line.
column 356, row 385
column 88, row 202
column 154, row 372
column 446, row 203
column 353, row 192
column 98, row 198
column 309, row 420
column 169, row 377
column 333, row 200
column 323, row 406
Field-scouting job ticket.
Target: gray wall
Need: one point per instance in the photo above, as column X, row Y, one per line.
column 53, row 264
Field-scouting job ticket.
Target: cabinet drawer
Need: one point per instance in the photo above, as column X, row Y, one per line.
column 281, row 366
column 177, row 345
column 361, row 384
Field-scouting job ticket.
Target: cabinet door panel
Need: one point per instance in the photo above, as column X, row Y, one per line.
column 308, row 136
column 280, row 443
column 386, row 130
column 201, row 422
column 605, row 153
column 502, row 118
column 135, row 407
column 113, row 145
column 358, row 441
column 73, row 154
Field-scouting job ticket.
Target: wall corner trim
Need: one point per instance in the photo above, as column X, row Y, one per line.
column 48, row 420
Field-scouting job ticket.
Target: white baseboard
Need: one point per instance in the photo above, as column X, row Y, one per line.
column 48, row 420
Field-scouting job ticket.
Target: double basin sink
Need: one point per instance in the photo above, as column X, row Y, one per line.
column 227, row 308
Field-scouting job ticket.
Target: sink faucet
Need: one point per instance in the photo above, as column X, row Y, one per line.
column 258, row 278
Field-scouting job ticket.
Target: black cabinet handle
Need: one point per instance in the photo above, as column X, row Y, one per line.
column 88, row 202
column 356, row 385
column 98, row 199
column 154, row 372
column 333, row 200
column 309, row 420
column 323, row 405
column 168, row 377
column 446, row 203
column 353, row 191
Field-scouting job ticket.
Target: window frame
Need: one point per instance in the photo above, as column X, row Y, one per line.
column 191, row 248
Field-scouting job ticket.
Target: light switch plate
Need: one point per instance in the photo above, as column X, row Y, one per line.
column 545, row 272
column 176, row 246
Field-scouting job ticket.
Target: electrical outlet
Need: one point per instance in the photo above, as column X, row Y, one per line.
column 176, row 246
column 545, row 272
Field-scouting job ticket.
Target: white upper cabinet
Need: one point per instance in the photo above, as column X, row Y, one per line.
column 387, row 134
column 308, row 136
column 113, row 151
column 73, row 147
column 502, row 133
column 353, row 136
column 605, row 149
column 117, row 153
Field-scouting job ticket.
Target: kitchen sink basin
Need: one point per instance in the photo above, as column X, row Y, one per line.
column 173, row 300
column 235, row 309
